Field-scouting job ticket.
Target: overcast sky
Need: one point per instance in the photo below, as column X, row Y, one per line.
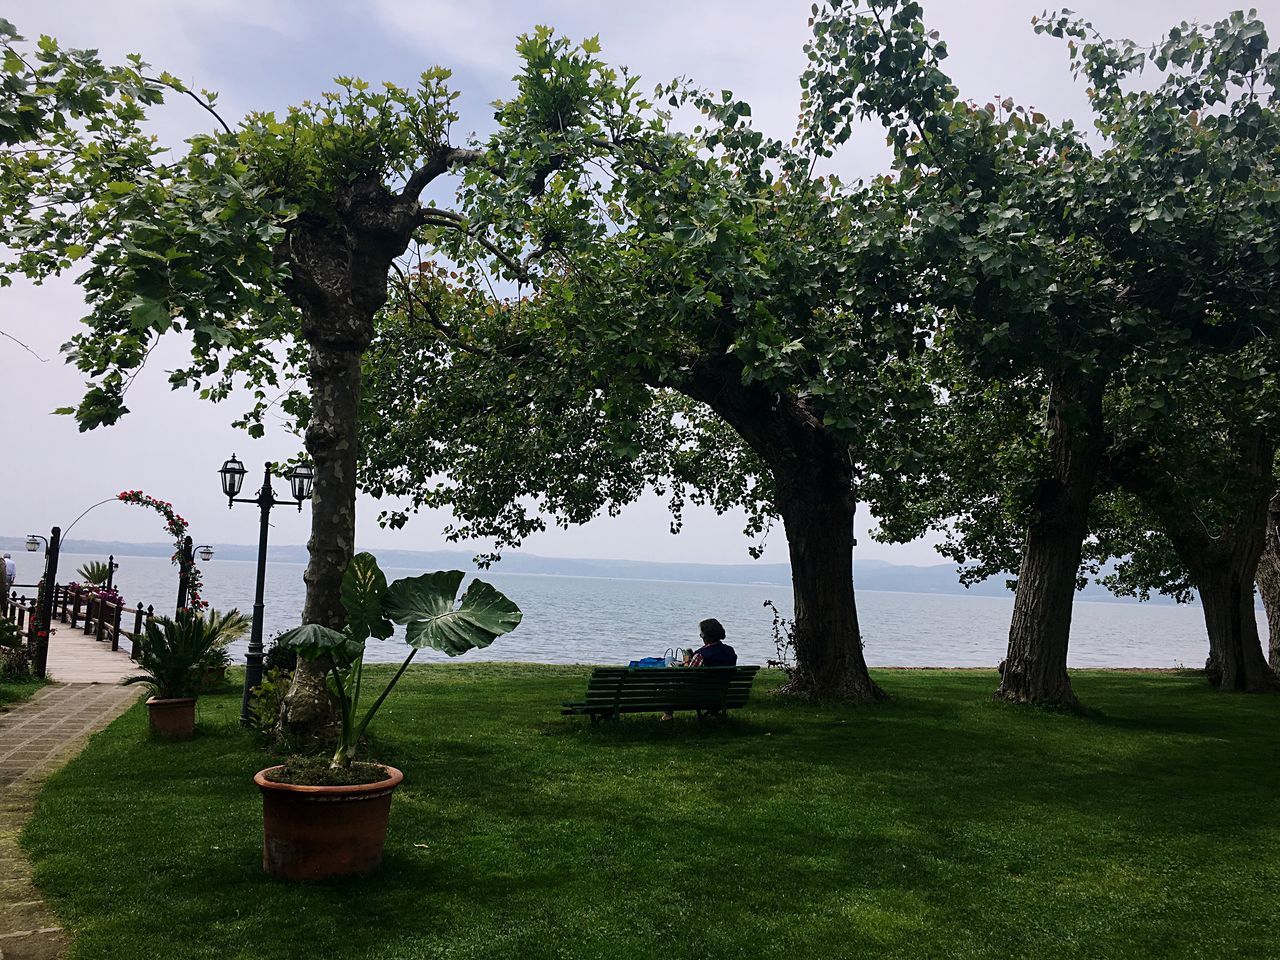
column 261, row 54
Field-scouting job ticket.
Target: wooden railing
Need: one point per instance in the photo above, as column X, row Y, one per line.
column 22, row 611
column 107, row 621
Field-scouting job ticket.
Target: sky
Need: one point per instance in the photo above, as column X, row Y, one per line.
column 266, row 54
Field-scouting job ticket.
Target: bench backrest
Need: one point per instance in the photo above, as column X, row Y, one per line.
column 722, row 688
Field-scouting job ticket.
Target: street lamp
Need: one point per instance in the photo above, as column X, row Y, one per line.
column 232, row 473
column 33, row 542
column 300, row 480
column 206, row 552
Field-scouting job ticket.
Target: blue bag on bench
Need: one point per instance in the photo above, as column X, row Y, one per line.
column 649, row 663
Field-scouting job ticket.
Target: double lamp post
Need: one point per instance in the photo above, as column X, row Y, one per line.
column 300, row 481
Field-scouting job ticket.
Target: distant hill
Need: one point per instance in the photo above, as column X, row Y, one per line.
column 938, row 578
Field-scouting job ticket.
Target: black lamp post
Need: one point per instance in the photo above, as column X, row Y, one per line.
column 46, row 595
column 300, row 479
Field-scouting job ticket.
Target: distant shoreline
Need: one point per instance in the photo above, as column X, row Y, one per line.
column 878, row 572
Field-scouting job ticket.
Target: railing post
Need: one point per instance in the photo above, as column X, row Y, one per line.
column 137, row 630
column 75, row 608
column 115, row 629
column 32, row 627
column 100, row 634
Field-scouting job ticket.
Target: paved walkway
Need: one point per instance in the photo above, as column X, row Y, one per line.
column 37, row 737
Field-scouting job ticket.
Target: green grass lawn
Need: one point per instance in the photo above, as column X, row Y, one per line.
column 940, row 824
column 15, row 692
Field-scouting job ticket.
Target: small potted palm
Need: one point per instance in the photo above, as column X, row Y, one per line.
column 172, row 654
column 325, row 818
column 227, row 627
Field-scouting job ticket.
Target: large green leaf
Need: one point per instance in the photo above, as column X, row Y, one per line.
column 363, row 587
column 312, row 641
column 425, row 605
column 417, row 598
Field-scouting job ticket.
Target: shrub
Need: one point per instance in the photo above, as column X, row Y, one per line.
column 280, row 657
column 15, row 666
column 265, row 698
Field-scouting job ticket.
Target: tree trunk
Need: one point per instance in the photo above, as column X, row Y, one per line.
column 813, row 493
column 308, row 709
column 1035, row 667
column 1268, row 578
column 338, row 265
column 828, row 644
column 333, row 441
column 1235, row 649
column 1223, row 563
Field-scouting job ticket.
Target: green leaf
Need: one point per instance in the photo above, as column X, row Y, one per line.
column 148, row 315
column 312, row 641
column 425, row 605
column 363, row 587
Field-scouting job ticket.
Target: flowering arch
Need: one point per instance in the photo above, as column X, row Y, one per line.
column 176, row 527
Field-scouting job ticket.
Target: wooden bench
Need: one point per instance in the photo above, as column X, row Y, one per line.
column 710, row 691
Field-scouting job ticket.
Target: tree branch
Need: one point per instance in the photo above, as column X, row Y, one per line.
column 10, row 336
column 458, row 222
column 437, row 164
column 198, row 99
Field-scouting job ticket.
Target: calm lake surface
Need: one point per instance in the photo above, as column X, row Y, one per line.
column 589, row 620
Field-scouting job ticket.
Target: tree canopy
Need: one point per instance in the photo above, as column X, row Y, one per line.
column 707, row 318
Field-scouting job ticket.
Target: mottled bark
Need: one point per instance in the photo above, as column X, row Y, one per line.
column 1035, row 666
column 1268, row 579
column 813, row 493
column 333, row 441
column 339, row 269
column 308, row 709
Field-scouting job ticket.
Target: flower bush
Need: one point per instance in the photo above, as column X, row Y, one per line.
column 176, row 526
column 111, row 595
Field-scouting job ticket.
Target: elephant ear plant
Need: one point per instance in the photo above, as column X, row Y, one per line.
column 425, row 605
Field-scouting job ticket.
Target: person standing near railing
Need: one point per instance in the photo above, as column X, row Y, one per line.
column 10, row 574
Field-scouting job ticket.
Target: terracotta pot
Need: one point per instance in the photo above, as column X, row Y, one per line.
column 172, row 719
column 310, row 833
column 212, row 676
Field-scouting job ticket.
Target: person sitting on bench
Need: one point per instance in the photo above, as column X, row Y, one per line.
column 714, row 652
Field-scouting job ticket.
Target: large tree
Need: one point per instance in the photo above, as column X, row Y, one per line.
column 708, row 318
column 268, row 245
column 1191, row 484
column 1060, row 259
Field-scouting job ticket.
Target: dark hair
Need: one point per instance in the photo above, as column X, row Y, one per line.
column 712, row 630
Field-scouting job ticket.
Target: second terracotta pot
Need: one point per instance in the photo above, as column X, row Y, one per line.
column 312, row 833
column 172, row 719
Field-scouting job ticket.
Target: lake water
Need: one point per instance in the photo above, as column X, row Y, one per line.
column 589, row 620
